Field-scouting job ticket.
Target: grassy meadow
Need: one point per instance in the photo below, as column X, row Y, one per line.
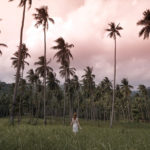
column 93, row 136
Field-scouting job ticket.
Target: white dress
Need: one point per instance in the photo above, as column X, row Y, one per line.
column 75, row 125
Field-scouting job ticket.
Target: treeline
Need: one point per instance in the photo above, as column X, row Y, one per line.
column 90, row 101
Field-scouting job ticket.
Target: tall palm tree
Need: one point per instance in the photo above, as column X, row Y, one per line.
column 24, row 55
column 145, row 21
column 42, row 18
column 21, row 4
column 63, row 57
column 113, row 33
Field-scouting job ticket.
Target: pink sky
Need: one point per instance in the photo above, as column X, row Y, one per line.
column 83, row 23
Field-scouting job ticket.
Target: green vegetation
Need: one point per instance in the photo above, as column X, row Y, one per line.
column 124, row 136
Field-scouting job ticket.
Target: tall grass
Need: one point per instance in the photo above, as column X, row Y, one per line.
column 93, row 136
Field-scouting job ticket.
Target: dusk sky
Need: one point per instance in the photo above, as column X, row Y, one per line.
column 82, row 23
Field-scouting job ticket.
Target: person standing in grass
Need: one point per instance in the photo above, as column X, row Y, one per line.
column 75, row 123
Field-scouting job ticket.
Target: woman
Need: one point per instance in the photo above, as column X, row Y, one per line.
column 75, row 123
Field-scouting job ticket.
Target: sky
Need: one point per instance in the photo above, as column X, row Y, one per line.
column 82, row 23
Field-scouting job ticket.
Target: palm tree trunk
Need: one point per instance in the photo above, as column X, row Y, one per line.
column 44, row 76
column 78, row 104
column 64, row 111
column 114, row 85
column 18, row 68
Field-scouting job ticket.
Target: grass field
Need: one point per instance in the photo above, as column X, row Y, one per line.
column 54, row 136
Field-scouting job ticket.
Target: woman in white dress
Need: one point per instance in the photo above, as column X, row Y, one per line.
column 75, row 123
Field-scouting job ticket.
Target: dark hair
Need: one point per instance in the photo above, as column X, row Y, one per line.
column 75, row 115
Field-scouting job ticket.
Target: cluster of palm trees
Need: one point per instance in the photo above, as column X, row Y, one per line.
column 72, row 87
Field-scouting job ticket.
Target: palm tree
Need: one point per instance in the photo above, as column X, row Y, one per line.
column 126, row 91
column 33, row 79
column 145, row 21
column 52, row 82
column 42, row 18
column 21, row 4
column 24, row 55
column 41, row 67
column 43, row 71
column 113, row 33
column 88, row 79
column 143, row 95
column 63, row 57
column 76, row 87
column 66, row 72
column 89, row 86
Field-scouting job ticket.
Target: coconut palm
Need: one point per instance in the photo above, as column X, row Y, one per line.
column 88, row 79
column 24, row 55
column 42, row 18
column 143, row 101
column 52, row 82
column 63, row 57
column 21, row 4
column 76, row 87
column 126, row 91
column 33, row 79
column 113, row 33
column 41, row 70
column 89, row 86
column 145, row 21
column 66, row 72
column 41, row 67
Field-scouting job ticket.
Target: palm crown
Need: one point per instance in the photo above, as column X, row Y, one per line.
column 23, row 2
column 114, row 30
column 64, row 54
column 145, row 31
column 40, row 69
column 42, row 17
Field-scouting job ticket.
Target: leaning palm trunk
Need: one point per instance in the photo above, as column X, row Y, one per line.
column 44, row 76
column 18, row 69
column 114, row 85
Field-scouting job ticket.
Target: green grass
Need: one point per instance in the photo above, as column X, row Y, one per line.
column 54, row 136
